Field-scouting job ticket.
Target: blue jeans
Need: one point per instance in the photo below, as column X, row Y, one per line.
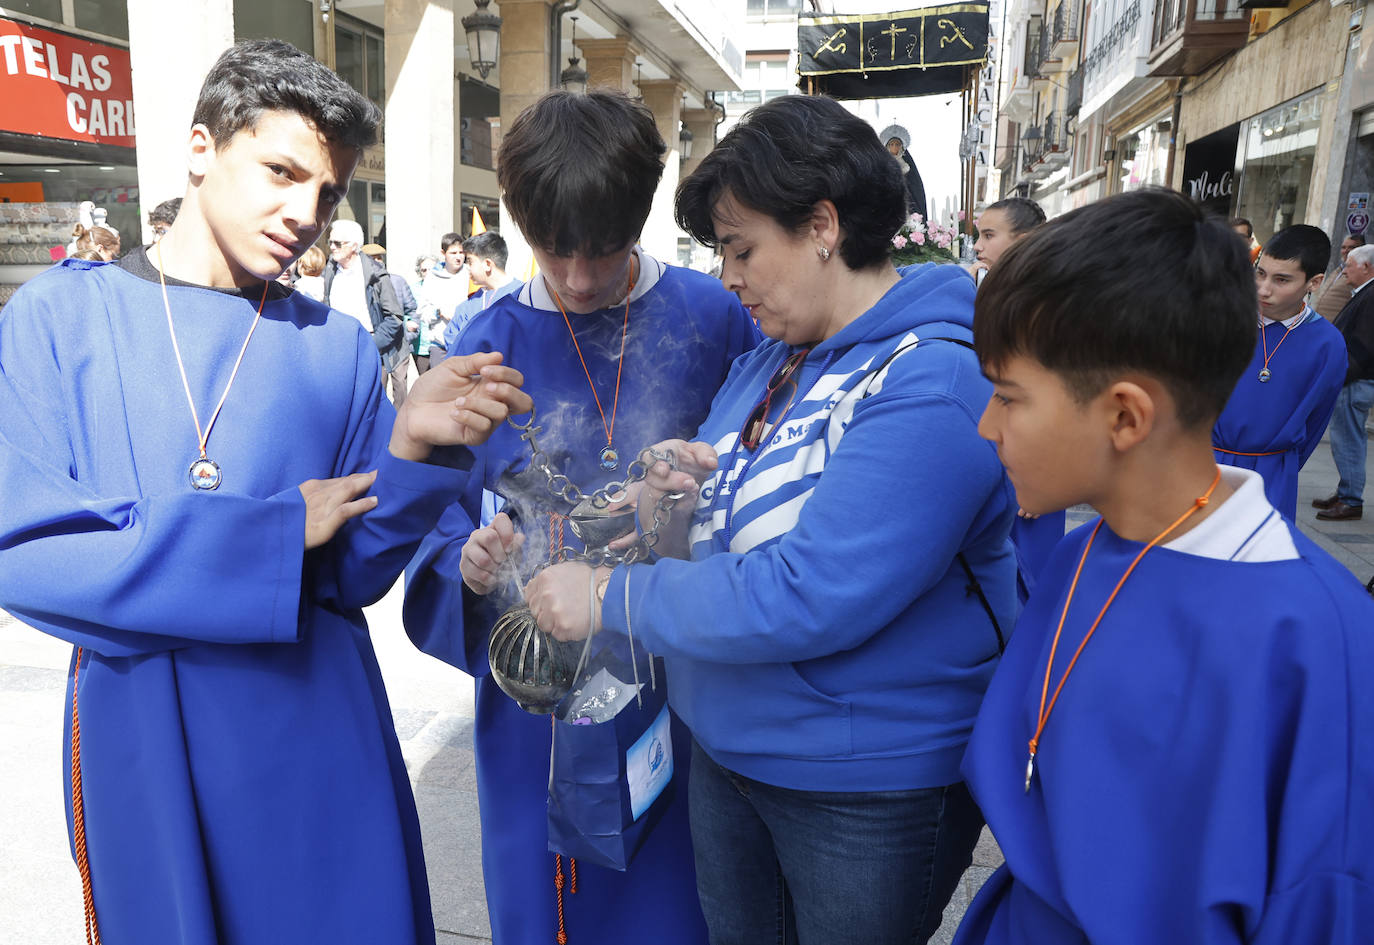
column 1349, row 440
column 778, row 865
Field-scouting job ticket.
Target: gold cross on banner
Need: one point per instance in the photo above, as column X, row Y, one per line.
column 893, row 31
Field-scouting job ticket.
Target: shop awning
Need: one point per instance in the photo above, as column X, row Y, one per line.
column 929, row 51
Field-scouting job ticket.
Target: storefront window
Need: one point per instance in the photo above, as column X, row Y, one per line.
column 115, row 188
column 291, row 20
column 110, row 17
column 1144, row 155
column 46, row 9
column 1275, row 164
column 359, row 58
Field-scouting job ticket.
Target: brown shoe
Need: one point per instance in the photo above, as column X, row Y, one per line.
column 1325, row 503
column 1341, row 512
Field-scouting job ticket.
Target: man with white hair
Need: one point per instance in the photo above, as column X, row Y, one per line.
column 355, row 285
column 1349, row 441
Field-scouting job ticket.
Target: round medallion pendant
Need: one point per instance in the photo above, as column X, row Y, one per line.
column 1264, row 376
column 609, row 458
column 205, row 475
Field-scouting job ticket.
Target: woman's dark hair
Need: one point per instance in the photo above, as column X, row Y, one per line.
column 1181, row 309
column 789, row 154
column 268, row 75
column 1022, row 213
column 579, row 171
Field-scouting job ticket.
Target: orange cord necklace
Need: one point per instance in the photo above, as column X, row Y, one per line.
column 609, row 457
column 1264, row 374
column 1045, row 710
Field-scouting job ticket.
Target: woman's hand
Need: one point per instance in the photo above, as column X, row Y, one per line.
column 486, row 552
column 560, row 599
column 1022, row 513
column 695, row 464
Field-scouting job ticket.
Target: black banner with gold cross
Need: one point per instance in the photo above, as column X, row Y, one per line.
column 887, row 55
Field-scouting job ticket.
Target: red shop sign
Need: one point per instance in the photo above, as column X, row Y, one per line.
column 60, row 86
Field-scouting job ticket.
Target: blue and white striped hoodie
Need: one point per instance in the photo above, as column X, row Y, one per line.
column 824, row 636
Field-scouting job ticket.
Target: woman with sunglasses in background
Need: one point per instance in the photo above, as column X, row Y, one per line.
column 848, row 575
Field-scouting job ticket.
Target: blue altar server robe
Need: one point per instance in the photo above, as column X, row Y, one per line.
column 243, row 782
column 683, row 334
column 1207, row 775
column 1034, row 539
column 1273, row 426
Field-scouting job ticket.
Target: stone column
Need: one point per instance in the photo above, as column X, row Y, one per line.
column 172, row 45
column 524, row 77
column 419, row 128
column 664, row 99
column 701, row 122
column 610, row 62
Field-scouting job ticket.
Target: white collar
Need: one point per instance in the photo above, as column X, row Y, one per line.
column 1245, row 527
column 1355, row 289
column 1287, row 323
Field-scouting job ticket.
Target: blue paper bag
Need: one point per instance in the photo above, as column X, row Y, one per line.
column 611, row 769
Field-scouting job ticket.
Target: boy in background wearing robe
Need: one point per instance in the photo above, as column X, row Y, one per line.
column 1284, row 398
column 235, row 777
column 621, row 351
column 1177, row 744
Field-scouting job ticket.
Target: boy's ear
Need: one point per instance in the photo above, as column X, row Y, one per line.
column 200, row 151
column 1316, row 281
column 1132, row 411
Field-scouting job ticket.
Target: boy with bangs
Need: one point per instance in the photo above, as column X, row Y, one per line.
column 621, row 351
column 1177, row 745
column 1281, row 404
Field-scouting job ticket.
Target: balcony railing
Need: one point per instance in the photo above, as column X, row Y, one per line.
column 1114, row 41
column 1189, row 36
column 1064, row 31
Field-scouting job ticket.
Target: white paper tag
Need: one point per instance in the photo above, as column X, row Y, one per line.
column 649, row 764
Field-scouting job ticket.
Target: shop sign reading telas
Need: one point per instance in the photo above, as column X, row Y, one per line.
column 59, row 86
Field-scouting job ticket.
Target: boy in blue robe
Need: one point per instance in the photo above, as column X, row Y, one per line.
column 1284, row 398
column 621, row 351
column 1177, row 747
column 203, row 486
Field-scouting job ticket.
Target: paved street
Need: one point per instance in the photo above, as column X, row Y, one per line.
column 40, row 895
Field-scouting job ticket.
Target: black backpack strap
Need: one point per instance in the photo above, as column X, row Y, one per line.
column 975, row 588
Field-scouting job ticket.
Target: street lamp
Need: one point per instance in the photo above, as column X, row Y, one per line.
column 484, row 38
column 684, row 138
column 573, row 78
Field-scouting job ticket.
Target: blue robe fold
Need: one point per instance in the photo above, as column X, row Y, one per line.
column 1034, row 540
column 243, row 782
column 683, row 335
column 1207, row 775
column 1285, row 416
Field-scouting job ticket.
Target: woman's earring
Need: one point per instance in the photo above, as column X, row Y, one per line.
column 824, row 251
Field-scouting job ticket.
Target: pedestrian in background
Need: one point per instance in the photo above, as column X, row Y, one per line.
column 1349, row 439
column 357, row 286
column 377, row 253
column 446, row 288
column 1335, row 289
column 310, row 273
column 486, row 259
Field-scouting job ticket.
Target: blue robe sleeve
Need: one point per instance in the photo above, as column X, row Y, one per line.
column 127, row 574
column 363, row 560
column 801, row 597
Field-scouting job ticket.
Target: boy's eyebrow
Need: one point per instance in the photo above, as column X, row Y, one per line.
column 992, row 375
